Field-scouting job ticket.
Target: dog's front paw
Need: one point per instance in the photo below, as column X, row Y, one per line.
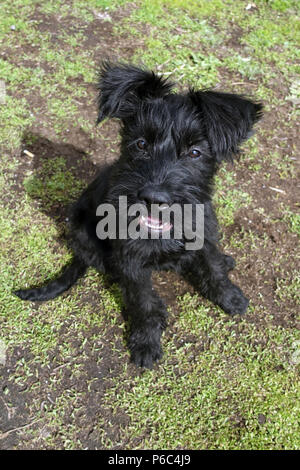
column 145, row 356
column 233, row 301
column 144, row 353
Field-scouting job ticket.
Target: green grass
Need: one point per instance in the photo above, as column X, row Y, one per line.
column 240, row 405
column 223, row 383
column 293, row 220
column 229, row 203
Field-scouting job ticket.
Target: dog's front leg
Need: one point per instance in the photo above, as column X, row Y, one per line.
column 147, row 317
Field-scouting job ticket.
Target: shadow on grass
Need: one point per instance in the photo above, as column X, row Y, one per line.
column 61, row 171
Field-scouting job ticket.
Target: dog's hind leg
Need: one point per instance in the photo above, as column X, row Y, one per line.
column 208, row 273
column 56, row 287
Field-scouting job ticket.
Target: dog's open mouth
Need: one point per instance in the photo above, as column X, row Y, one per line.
column 154, row 224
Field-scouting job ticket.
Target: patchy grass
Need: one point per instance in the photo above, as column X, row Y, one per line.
column 239, row 406
column 228, row 204
column 223, row 383
column 53, row 184
column 293, row 220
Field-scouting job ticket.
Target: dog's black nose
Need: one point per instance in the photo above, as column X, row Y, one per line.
column 154, row 195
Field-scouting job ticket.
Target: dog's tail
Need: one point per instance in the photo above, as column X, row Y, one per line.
column 56, row 287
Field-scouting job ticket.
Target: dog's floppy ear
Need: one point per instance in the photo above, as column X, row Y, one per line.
column 228, row 119
column 122, row 86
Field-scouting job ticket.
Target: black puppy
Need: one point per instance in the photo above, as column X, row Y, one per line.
column 172, row 145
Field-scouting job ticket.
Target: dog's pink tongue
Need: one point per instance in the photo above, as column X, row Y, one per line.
column 153, row 221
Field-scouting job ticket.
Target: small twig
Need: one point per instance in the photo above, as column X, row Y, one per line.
column 5, row 434
column 60, row 367
column 277, row 190
column 29, row 154
column 160, row 66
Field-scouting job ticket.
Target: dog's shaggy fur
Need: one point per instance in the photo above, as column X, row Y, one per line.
column 172, row 145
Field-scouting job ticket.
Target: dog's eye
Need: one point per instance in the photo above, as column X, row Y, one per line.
column 141, row 144
column 194, row 153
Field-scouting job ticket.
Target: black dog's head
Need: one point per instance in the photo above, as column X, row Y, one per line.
column 171, row 143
